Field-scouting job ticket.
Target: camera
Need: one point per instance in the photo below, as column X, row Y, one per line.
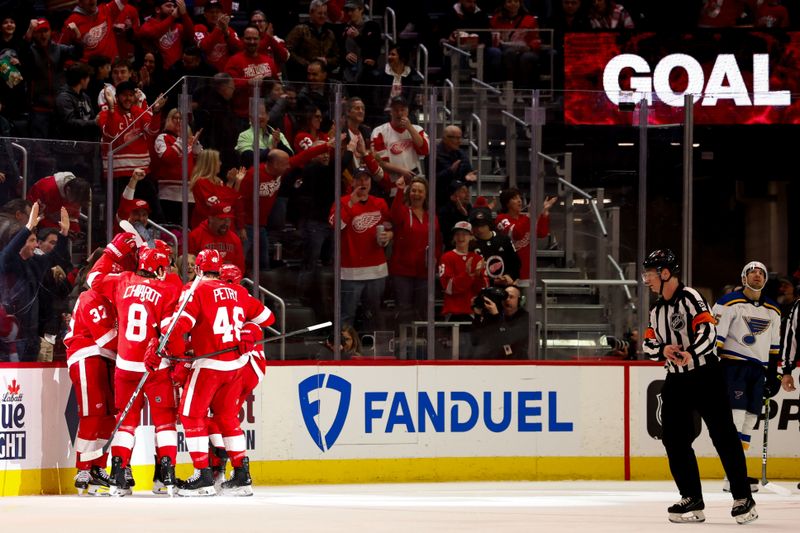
column 495, row 294
column 617, row 344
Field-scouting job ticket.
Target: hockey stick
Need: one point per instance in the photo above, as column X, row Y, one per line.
column 128, row 227
column 262, row 341
column 91, row 456
column 777, row 489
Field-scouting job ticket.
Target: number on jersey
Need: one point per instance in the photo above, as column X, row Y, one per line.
column 229, row 327
column 136, row 331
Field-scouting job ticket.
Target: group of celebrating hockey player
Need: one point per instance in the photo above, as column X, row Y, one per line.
column 126, row 336
column 722, row 363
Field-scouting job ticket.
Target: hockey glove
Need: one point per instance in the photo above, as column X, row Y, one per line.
column 180, row 373
column 246, row 341
column 121, row 245
column 152, row 360
column 772, row 384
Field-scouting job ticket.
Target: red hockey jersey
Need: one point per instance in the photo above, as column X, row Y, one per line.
column 92, row 328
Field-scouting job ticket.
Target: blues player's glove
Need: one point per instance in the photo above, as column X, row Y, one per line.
column 772, row 384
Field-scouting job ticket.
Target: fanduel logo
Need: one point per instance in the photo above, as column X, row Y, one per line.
column 725, row 82
column 428, row 411
column 311, row 408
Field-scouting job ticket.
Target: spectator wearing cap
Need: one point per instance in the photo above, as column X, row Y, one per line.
column 215, row 37
column 167, row 32
column 361, row 44
column 408, row 265
column 216, row 234
column 502, row 262
column 246, row 66
column 62, row 189
column 366, row 231
column 398, row 145
column 452, row 163
column 75, row 116
column 310, row 41
column 461, row 274
column 517, row 225
column 134, row 210
column 91, row 25
column 121, row 70
column 456, row 209
column 44, row 72
column 140, row 126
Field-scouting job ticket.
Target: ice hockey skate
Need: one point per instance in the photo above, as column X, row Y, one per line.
column 164, row 481
column 129, row 476
column 100, row 482
column 240, row 483
column 119, row 485
column 201, row 483
column 82, row 479
column 744, row 511
column 754, row 484
column 687, row 510
column 219, row 475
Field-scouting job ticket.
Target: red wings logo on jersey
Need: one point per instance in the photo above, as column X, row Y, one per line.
column 399, row 147
column 260, row 70
column 94, row 36
column 364, row 221
column 212, row 200
column 523, row 242
column 168, row 39
column 504, row 225
column 218, row 52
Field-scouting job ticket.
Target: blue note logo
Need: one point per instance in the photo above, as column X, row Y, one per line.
column 311, row 408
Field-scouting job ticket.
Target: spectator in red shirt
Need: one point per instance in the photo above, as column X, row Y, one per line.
column 519, row 48
column 93, row 26
column 166, row 32
column 125, row 27
column 208, row 189
column 215, row 234
column 461, row 274
column 62, row 189
column 246, row 66
column 269, row 44
column 215, row 37
column 366, row 231
column 408, row 265
column 309, row 130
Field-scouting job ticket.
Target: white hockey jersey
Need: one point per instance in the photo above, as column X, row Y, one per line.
column 747, row 330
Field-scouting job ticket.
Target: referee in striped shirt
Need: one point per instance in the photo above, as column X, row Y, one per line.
column 682, row 331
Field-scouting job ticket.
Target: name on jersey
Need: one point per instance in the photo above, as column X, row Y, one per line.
column 142, row 293
column 224, row 293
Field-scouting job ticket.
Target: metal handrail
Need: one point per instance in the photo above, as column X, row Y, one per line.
column 475, row 119
column 24, row 167
column 572, row 283
column 282, row 321
column 621, row 275
column 592, row 200
column 515, row 118
column 486, row 86
column 386, row 35
column 448, row 84
column 162, row 229
column 422, row 53
column 456, row 49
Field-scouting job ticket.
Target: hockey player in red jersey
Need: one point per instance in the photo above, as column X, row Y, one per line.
column 214, row 315
column 144, row 301
column 91, row 349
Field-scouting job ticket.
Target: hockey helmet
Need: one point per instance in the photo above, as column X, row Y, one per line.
column 158, row 244
column 208, row 260
column 663, row 258
column 151, row 259
column 753, row 265
column 230, row 274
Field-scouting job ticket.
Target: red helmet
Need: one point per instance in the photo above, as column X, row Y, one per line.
column 162, row 246
column 151, row 259
column 230, row 274
column 208, row 260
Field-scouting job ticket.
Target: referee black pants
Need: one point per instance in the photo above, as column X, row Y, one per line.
column 702, row 390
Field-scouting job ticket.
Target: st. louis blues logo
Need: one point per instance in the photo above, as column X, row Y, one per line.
column 311, row 408
column 757, row 326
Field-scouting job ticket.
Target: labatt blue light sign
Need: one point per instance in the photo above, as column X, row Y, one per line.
column 454, row 411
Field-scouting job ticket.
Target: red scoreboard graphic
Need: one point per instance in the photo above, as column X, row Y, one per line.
column 735, row 77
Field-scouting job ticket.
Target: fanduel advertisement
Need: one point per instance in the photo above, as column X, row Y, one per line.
column 734, row 77
column 343, row 409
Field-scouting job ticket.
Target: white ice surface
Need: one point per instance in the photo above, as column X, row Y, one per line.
column 559, row 507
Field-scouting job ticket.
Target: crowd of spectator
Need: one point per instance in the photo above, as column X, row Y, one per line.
column 91, row 72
